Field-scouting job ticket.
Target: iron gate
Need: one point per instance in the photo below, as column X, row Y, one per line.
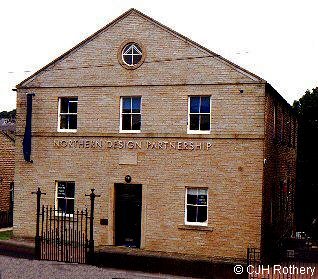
column 64, row 237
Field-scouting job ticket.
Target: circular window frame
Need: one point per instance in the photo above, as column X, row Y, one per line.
column 120, row 54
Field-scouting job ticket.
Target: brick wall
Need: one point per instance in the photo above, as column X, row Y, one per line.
column 280, row 168
column 232, row 177
column 170, row 59
column 233, row 114
column 6, row 169
column 231, row 169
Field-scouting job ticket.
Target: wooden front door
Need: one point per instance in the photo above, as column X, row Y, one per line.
column 128, row 214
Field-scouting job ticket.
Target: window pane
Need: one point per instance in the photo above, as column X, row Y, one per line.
column 70, row 206
column 202, row 191
column 70, row 189
column 126, row 105
column 191, row 213
column 126, row 122
column 72, row 121
column 73, row 107
column 192, row 191
column 205, row 122
column 61, row 205
column 136, row 121
column 136, row 59
column 64, row 105
column 202, row 200
column 202, row 214
column 192, row 198
column 194, row 122
column 128, row 59
column 127, row 49
column 63, row 122
column 61, row 189
column 137, row 49
column 194, row 104
column 136, row 104
column 205, row 105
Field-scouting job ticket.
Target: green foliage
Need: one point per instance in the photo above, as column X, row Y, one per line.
column 307, row 107
column 8, row 114
column 5, row 235
column 307, row 187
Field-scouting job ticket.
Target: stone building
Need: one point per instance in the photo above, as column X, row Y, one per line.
column 190, row 153
column 6, row 170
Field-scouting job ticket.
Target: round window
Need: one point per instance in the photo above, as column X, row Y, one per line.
column 132, row 54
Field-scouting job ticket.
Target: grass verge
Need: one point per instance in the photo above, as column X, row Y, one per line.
column 5, row 235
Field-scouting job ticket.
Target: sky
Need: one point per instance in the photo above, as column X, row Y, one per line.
column 275, row 39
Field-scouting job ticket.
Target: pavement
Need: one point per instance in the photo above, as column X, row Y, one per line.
column 17, row 260
column 6, row 229
column 19, row 268
column 17, row 248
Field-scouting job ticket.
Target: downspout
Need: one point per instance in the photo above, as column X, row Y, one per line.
column 27, row 140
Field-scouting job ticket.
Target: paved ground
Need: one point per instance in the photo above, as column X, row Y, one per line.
column 13, row 268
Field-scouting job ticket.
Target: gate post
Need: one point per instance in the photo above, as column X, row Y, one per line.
column 92, row 196
column 37, row 234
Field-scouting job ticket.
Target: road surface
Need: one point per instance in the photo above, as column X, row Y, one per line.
column 16, row 268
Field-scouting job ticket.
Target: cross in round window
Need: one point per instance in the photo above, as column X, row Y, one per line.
column 131, row 54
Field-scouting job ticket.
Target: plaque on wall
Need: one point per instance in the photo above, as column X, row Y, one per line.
column 104, row 222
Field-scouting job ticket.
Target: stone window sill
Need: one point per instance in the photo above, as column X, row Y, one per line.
column 195, row 228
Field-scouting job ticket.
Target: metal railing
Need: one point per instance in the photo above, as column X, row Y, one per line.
column 61, row 236
column 291, row 264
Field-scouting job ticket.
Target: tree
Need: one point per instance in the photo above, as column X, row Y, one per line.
column 8, row 114
column 307, row 166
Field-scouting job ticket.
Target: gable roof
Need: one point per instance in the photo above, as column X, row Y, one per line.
column 160, row 25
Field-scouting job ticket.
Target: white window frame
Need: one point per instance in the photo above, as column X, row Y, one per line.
column 121, row 114
column 65, row 113
column 193, row 132
column 203, row 224
column 56, row 199
column 132, row 45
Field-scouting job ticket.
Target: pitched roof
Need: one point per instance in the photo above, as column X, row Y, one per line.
column 8, row 135
column 229, row 63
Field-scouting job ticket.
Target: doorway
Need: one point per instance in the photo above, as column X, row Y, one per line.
column 128, row 204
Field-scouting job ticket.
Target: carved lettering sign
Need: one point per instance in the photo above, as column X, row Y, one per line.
column 132, row 144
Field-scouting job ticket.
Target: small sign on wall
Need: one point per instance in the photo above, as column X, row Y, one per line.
column 61, row 189
column 104, row 222
column 128, row 159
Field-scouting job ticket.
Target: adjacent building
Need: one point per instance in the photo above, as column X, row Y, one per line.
column 7, row 148
column 190, row 153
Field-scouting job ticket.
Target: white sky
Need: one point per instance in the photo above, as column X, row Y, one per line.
column 275, row 39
